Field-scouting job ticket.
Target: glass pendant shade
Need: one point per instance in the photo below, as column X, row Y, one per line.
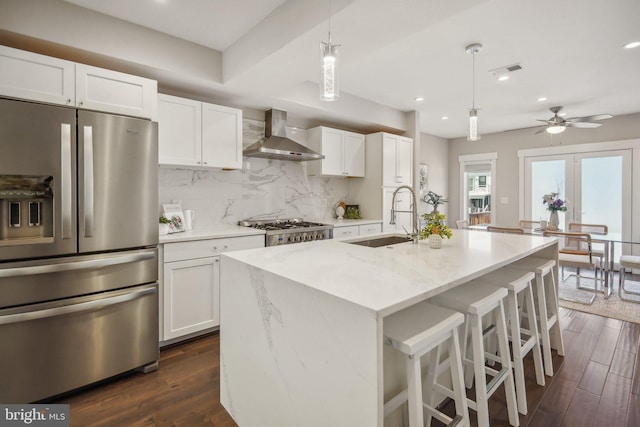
column 329, row 83
column 472, row 133
column 556, row 129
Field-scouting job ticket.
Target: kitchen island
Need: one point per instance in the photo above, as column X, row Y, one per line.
column 301, row 325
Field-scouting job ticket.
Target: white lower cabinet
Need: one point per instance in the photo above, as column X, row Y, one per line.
column 366, row 229
column 340, row 231
column 190, row 284
column 191, row 290
column 348, row 231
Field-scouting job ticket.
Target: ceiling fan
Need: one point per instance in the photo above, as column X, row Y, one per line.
column 557, row 124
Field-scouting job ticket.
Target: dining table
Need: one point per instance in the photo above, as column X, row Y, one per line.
column 609, row 240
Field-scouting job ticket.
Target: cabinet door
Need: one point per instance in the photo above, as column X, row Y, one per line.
column 353, row 154
column 36, row 77
column 221, row 136
column 403, row 203
column 404, row 161
column 349, row 231
column 191, row 296
column 369, row 229
column 115, row 92
column 389, row 161
column 179, row 131
column 332, row 164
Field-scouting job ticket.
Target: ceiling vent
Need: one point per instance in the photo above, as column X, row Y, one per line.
column 505, row 70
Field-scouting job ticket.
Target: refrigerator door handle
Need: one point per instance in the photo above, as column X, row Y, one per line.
column 77, row 265
column 65, row 171
column 88, row 181
column 95, row 304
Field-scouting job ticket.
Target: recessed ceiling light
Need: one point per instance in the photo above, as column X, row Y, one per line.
column 542, row 98
column 419, row 98
column 631, row 45
column 444, row 118
column 503, row 78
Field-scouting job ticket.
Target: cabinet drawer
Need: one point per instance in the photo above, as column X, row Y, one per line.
column 350, row 231
column 211, row 247
column 370, row 229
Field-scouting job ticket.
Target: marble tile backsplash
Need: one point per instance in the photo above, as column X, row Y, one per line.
column 263, row 189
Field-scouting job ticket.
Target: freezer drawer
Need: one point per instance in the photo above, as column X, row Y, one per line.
column 55, row 347
column 30, row 282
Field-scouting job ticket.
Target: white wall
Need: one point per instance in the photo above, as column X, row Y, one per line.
column 507, row 144
column 434, row 152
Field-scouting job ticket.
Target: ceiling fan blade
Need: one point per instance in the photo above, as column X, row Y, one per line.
column 541, row 130
column 544, row 121
column 590, row 118
column 583, row 125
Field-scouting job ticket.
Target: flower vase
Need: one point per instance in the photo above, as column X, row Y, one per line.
column 435, row 241
column 553, row 220
column 163, row 229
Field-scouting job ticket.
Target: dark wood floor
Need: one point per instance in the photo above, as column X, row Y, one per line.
column 597, row 383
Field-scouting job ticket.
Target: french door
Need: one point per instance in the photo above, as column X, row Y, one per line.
column 596, row 187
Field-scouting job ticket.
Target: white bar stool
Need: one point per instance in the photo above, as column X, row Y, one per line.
column 477, row 299
column 548, row 310
column 523, row 341
column 627, row 261
column 416, row 331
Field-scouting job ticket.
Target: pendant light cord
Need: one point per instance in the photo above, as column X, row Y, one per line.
column 473, row 81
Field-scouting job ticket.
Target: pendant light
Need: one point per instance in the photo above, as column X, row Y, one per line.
column 329, row 82
column 472, row 132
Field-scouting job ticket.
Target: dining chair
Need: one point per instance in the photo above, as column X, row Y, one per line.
column 508, row 230
column 460, row 224
column 598, row 249
column 627, row 262
column 574, row 250
column 529, row 225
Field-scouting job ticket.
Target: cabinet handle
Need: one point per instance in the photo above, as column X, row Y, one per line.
column 225, row 247
column 80, row 104
column 205, row 163
column 215, row 248
column 68, row 100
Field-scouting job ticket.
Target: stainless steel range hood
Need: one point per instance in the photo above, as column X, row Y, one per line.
column 276, row 145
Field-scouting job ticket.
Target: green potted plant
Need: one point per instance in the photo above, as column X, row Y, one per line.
column 163, row 226
column 435, row 229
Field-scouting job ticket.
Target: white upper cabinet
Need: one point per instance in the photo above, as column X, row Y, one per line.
column 106, row 90
column 389, row 164
column 37, row 77
column 198, row 134
column 42, row 78
column 179, row 131
column 344, row 152
column 221, row 136
column 397, row 160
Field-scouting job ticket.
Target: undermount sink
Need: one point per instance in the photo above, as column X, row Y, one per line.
column 381, row 241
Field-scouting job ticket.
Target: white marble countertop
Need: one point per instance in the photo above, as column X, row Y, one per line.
column 347, row 222
column 213, row 232
column 388, row 279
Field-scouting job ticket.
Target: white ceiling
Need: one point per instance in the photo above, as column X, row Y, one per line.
column 395, row 50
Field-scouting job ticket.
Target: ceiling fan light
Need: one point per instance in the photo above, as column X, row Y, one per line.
column 556, row 129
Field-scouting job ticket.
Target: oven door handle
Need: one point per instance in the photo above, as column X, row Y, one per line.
column 76, row 265
column 95, row 304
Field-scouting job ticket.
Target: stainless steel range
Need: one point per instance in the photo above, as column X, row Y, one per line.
column 293, row 230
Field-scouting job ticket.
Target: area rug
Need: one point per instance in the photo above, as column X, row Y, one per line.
column 613, row 307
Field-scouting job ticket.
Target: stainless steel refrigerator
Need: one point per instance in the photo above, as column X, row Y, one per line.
column 78, row 248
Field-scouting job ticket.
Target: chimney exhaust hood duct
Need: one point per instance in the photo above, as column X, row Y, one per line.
column 276, row 145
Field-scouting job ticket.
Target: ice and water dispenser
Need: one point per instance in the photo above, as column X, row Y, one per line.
column 26, row 207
